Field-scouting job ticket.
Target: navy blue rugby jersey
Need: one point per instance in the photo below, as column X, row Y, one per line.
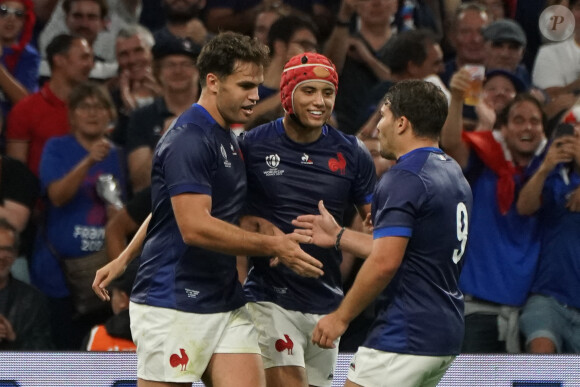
column 287, row 179
column 197, row 155
column 426, row 198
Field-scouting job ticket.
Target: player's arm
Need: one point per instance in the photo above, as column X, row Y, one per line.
column 325, row 232
column 375, row 274
column 117, row 266
column 199, row 228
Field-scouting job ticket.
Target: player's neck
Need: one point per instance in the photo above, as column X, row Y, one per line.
column 414, row 144
column 299, row 133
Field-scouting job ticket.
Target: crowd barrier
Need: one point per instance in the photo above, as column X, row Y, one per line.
column 118, row 369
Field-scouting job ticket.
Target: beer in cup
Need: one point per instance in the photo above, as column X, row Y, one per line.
column 473, row 93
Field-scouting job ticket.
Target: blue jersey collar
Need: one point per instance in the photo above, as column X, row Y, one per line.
column 425, row 149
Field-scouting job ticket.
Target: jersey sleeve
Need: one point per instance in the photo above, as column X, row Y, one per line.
column 397, row 203
column 366, row 177
column 188, row 160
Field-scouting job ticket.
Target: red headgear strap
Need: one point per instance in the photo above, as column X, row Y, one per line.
column 302, row 68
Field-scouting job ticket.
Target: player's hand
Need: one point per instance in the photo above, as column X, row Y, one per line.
column 289, row 253
column 105, row 275
column 322, row 228
column 6, row 330
column 328, row 330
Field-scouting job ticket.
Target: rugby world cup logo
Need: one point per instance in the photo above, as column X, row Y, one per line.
column 273, row 160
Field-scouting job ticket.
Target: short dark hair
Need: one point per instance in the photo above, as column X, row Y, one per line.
column 408, row 46
column 7, row 226
column 503, row 117
column 422, row 103
column 285, row 26
column 103, row 5
column 59, row 45
column 221, row 54
column 88, row 89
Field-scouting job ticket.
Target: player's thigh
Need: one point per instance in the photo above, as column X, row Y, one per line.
column 542, row 317
column 286, row 376
column 371, row 367
column 235, row 369
column 320, row 362
column 281, row 334
column 176, row 347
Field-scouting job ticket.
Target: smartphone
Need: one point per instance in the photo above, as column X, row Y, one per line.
column 563, row 129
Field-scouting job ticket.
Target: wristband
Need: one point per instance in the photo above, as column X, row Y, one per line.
column 338, row 236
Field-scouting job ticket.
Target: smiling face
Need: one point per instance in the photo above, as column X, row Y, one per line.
column 313, row 102
column 468, row 39
column 503, row 55
column 134, row 55
column 524, row 130
column 11, row 21
column 237, row 94
column 178, row 73
column 498, row 91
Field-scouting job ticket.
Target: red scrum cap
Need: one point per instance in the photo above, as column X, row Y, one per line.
column 305, row 67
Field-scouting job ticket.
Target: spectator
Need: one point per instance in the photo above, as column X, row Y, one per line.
column 239, row 15
column 20, row 60
column 496, row 277
column 24, row 315
column 505, row 42
column 115, row 333
column 182, row 21
column 410, row 54
column 289, row 35
column 44, row 114
column 499, row 88
column 75, row 217
column 557, row 65
column 87, row 19
column 137, row 85
column 358, row 57
column 496, row 9
column 549, row 320
column 467, row 39
column 175, row 68
column 19, row 191
column 264, row 20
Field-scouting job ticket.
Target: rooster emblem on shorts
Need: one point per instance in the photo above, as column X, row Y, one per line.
column 282, row 345
column 337, row 164
column 176, row 360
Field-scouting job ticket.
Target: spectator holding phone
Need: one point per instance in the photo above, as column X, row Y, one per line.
column 549, row 320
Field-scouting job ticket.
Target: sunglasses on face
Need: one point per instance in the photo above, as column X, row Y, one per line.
column 5, row 11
